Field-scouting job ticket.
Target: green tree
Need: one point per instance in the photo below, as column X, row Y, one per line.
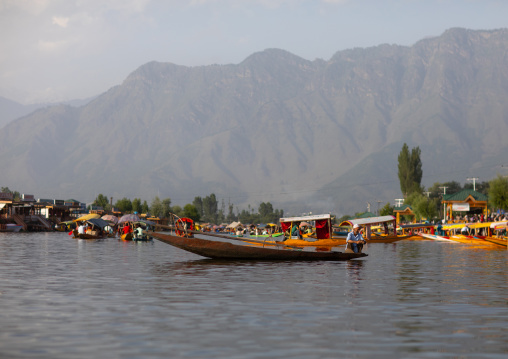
column 136, row 205
column 386, row 210
column 124, row 205
column 498, row 192
column 178, row 211
column 210, row 207
column 422, row 206
column 265, row 211
column 191, row 212
column 231, row 216
column 410, row 170
column 156, row 207
column 144, row 207
column 166, row 207
column 102, row 201
column 16, row 196
column 198, row 203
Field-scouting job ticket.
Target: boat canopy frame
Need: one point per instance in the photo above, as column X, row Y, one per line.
column 369, row 222
column 323, row 224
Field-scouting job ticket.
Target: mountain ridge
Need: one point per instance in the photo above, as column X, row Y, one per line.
column 275, row 127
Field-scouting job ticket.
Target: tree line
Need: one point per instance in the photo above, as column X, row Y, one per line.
column 205, row 209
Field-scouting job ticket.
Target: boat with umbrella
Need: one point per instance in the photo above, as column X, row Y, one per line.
column 128, row 220
column 95, row 231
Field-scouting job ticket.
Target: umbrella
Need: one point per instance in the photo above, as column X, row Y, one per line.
column 110, row 218
column 129, row 218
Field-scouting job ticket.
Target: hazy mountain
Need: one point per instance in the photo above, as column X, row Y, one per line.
column 304, row 135
column 11, row 110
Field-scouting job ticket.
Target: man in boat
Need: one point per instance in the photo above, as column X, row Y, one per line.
column 126, row 228
column 355, row 239
column 81, row 228
column 139, row 232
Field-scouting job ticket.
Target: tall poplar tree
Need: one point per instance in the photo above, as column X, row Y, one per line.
column 410, row 170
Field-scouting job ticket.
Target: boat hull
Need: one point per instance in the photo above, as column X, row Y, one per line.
column 339, row 241
column 225, row 250
column 126, row 236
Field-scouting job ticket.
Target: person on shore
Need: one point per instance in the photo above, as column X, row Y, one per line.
column 355, row 239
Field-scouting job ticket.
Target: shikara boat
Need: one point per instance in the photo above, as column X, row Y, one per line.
column 96, row 232
column 388, row 223
column 321, row 238
column 228, row 251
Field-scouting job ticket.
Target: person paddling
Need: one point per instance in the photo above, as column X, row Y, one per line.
column 355, row 239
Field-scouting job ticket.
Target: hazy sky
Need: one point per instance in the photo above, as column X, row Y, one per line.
column 67, row 49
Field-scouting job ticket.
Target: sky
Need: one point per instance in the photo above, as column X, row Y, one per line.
column 58, row 50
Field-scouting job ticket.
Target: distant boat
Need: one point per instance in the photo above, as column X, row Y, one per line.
column 9, row 227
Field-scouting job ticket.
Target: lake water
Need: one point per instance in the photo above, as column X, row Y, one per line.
column 66, row 298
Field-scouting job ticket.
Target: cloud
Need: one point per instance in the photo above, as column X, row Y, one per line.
column 60, row 21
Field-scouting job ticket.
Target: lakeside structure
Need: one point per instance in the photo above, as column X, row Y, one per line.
column 29, row 214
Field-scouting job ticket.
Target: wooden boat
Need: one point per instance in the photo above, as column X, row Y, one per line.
column 228, row 251
column 459, row 238
column 435, row 237
column 65, row 226
column 126, row 236
column 477, row 233
column 413, row 230
column 10, row 227
column 384, row 222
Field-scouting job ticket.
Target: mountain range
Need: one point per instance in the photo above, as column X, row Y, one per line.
column 306, row 136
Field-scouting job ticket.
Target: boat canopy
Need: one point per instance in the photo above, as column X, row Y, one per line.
column 323, row 224
column 368, row 221
column 234, row 225
column 447, row 227
column 499, row 225
column 306, row 218
column 87, row 217
column 99, row 222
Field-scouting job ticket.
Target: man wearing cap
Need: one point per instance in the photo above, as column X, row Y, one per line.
column 355, row 239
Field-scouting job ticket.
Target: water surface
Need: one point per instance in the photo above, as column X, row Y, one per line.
column 68, row 298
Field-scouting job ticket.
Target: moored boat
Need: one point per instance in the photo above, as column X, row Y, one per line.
column 10, row 227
